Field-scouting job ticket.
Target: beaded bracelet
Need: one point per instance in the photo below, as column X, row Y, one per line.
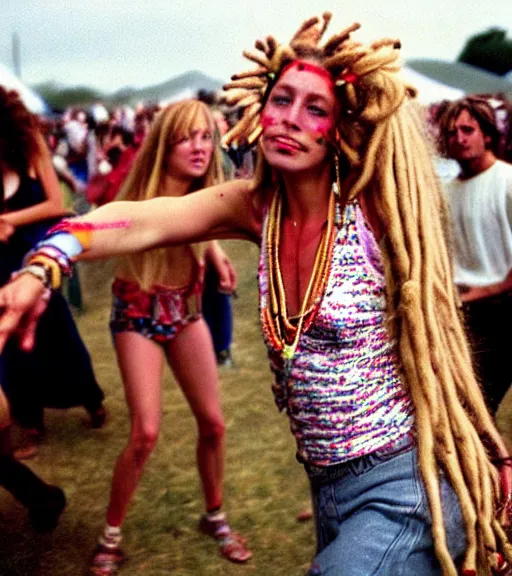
column 51, row 266
column 37, row 270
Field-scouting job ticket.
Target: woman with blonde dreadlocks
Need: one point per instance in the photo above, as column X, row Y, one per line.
column 408, row 472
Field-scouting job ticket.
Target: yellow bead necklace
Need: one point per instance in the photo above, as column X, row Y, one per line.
column 284, row 334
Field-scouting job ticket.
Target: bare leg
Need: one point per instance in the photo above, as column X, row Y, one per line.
column 141, row 363
column 192, row 359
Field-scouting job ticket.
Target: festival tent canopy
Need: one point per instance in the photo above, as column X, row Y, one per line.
column 31, row 99
column 429, row 90
column 461, row 76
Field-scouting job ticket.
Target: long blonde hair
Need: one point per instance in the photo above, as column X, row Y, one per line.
column 144, row 179
column 381, row 135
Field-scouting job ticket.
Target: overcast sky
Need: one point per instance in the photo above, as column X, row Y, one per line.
column 109, row 44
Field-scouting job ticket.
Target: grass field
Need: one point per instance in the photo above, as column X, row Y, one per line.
column 264, row 490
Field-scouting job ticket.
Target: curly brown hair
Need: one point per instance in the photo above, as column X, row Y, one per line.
column 18, row 131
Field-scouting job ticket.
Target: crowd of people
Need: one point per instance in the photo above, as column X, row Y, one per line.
column 384, row 293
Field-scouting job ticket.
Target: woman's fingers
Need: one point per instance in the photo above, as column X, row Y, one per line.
column 27, row 333
column 20, row 309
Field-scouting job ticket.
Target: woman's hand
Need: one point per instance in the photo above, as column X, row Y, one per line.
column 223, row 267
column 6, row 230
column 227, row 277
column 505, row 510
column 22, row 301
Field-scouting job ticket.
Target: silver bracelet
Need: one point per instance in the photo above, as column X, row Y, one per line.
column 38, row 271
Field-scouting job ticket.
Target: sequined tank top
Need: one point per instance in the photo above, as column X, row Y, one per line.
column 342, row 390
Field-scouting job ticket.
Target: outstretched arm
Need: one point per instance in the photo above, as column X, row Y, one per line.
column 223, row 211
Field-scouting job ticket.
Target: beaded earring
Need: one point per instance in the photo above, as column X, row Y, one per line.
column 336, row 187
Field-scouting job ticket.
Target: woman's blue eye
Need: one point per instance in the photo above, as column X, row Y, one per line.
column 281, row 100
column 317, row 111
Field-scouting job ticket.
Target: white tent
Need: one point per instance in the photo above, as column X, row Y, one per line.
column 31, row 99
column 430, row 90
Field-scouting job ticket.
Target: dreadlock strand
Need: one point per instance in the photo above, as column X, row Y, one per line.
column 426, row 458
column 281, row 55
column 232, row 95
column 258, row 72
column 369, row 161
column 392, row 42
column 505, row 545
column 249, row 100
column 247, row 83
column 375, row 60
column 255, row 134
column 262, row 61
column 343, row 59
column 334, row 42
column 449, row 459
column 309, row 32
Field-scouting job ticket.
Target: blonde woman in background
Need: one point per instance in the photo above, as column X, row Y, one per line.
column 156, row 316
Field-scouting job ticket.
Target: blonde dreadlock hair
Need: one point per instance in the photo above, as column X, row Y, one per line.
column 145, row 177
column 455, row 432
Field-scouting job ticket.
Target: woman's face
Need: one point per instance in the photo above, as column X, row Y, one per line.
column 189, row 156
column 299, row 118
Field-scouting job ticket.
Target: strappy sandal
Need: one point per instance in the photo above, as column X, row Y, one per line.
column 106, row 560
column 232, row 546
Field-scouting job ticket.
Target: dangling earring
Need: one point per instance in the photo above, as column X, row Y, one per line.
column 336, row 189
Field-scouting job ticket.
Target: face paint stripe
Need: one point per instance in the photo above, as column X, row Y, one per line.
column 303, row 65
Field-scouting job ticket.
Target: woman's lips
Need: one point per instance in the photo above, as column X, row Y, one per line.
column 287, row 143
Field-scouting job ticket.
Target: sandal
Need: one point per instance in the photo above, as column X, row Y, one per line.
column 231, row 545
column 106, row 560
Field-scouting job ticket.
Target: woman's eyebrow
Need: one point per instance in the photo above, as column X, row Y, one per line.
column 311, row 95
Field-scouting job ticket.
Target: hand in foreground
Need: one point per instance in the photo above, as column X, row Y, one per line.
column 6, row 230
column 22, row 301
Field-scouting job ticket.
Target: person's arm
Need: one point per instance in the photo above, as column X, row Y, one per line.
column 54, row 203
column 6, row 230
column 224, row 211
column 65, row 175
column 117, row 228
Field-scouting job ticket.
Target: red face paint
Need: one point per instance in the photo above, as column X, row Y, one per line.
column 303, row 65
column 267, row 120
column 299, row 117
column 322, row 132
column 73, row 226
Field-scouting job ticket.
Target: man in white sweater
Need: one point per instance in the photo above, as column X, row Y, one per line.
column 480, row 200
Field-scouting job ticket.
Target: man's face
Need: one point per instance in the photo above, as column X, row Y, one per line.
column 465, row 139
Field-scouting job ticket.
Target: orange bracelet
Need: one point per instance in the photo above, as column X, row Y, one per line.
column 51, row 265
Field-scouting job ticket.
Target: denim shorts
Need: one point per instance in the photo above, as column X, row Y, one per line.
column 372, row 518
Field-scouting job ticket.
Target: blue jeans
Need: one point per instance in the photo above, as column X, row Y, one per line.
column 372, row 518
column 217, row 311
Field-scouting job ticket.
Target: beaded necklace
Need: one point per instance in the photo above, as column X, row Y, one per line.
column 283, row 334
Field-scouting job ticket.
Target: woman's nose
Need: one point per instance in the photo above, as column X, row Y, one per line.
column 197, row 143
column 292, row 116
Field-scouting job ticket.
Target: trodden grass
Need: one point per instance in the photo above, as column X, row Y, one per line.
column 265, row 487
